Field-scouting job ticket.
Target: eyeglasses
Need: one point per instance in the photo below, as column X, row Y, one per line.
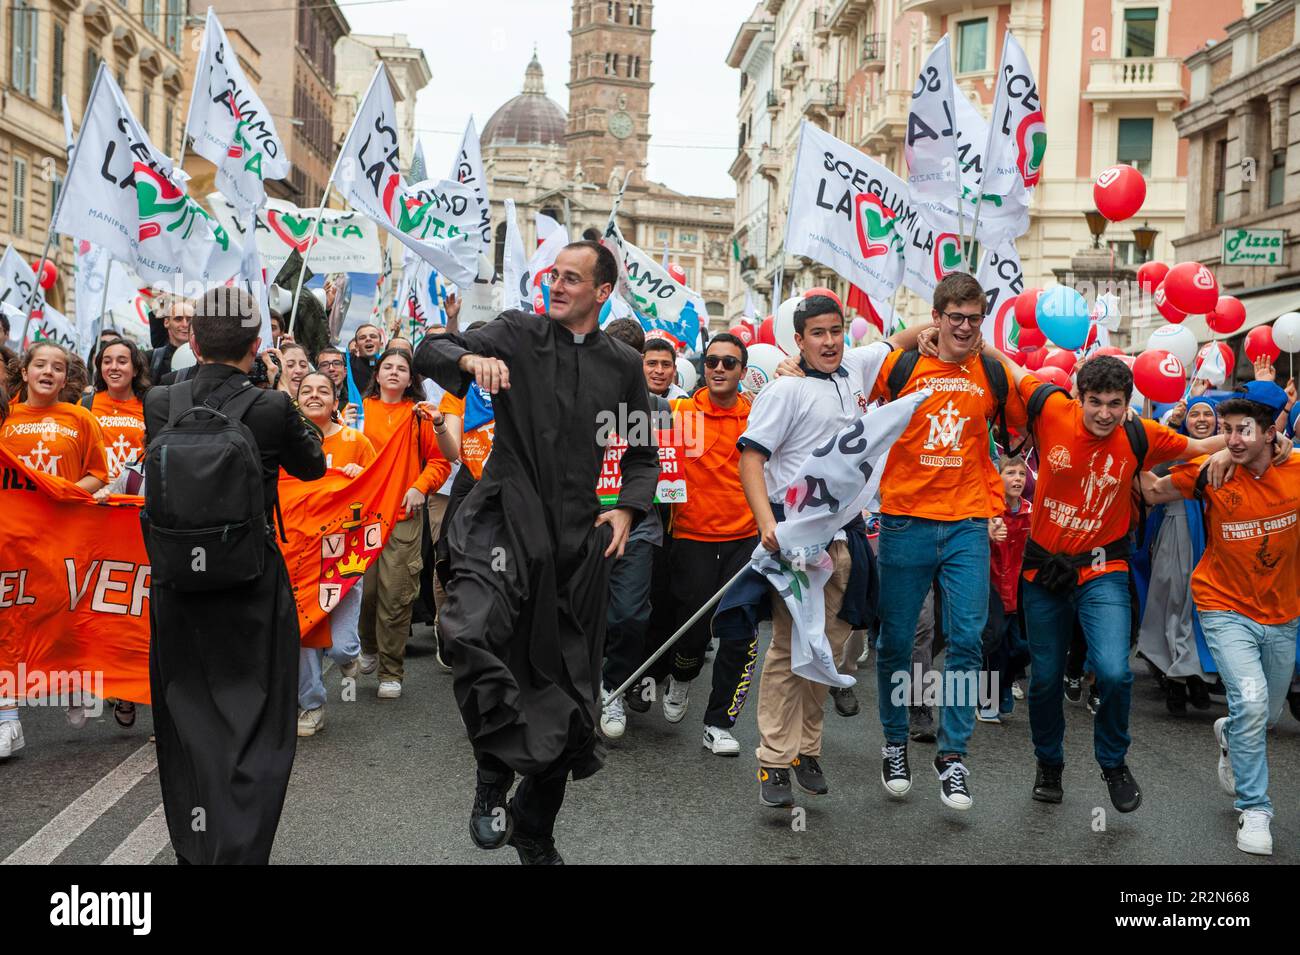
column 958, row 319
column 557, row 279
column 726, row 361
column 331, row 364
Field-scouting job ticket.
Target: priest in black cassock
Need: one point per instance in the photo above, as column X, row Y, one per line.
column 524, row 618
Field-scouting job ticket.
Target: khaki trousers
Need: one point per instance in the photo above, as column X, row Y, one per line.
column 790, row 708
column 391, row 585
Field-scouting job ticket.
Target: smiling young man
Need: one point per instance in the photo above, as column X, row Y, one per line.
column 659, row 360
column 367, row 343
column 530, row 551
column 1075, row 563
column 1247, row 592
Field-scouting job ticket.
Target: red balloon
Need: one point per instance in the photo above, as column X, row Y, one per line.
column 1192, row 288
column 1164, row 307
column 1159, row 375
column 1110, row 350
column 1027, row 310
column 1228, row 315
column 678, row 273
column 1034, row 360
column 1119, row 192
column 744, row 332
column 1259, row 341
column 1055, row 376
column 767, row 331
column 1229, row 359
column 823, row 290
column 1031, row 338
column 1128, row 360
column 1060, row 358
column 1150, row 275
column 46, row 273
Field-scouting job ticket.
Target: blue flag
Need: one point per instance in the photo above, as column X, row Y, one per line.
column 354, row 393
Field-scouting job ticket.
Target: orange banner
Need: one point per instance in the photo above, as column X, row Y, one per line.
column 74, row 574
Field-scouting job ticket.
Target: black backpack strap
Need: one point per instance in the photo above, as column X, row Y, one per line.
column 996, row 375
column 180, row 399
column 1034, row 407
column 901, row 373
column 1202, row 481
column 1137, row 439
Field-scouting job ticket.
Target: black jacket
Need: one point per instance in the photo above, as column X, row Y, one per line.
column 285, row 439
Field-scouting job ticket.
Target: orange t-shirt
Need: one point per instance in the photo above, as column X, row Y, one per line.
column 382, row 420
column 715, row 507
column 122, row 425
column 63, row 440
column 476, row 444
column 348, row 446
column 1251, row 563
column 940, row 468
column 1082, row 495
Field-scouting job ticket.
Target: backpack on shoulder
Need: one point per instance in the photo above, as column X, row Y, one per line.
column 994, row 372
column 204, row 520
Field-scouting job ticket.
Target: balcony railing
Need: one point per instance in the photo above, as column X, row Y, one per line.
column 825, row 98
column 773, row 101
column 873, row 49
column 1135, row 79
column 788, row 77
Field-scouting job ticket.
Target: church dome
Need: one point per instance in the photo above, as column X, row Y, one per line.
column 530, row 119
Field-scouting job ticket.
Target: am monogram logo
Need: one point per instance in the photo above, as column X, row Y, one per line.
column 945, row 428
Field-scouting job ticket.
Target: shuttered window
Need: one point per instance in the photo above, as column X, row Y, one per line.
column 18, row 199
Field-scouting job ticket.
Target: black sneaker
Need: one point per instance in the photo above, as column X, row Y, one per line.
column 1175, row 697
column 846, row 701
column 1293, row 703
column 535, row 850
column 922, row 725
column 1198, row 694
column 1125, row 795
column 1074, row 689
column 1094, row 699
column 635, row 697
column 490, row 825
column 808, row 774
column 953, row 788
column 894, row 771
column 1047, row 783
column 774, row 788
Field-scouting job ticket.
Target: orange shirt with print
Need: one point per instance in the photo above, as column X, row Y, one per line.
column 1082, row 498
column 1251, row 563
column 383, row 420
column 475, row 445
column 940, row 467
column 347, row 446
column 63, row 440
column 122, row 425
column 715, row 507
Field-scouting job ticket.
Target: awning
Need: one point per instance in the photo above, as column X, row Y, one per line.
column 1260, row 310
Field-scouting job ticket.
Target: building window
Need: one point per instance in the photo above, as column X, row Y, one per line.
column 613, row 11
column 56, row 85
column 661, row 235
column 18, row 199
column 1135, row 144
column 499, row 257
column 972, row 46
column 1125, row 252
column 56, row 190
column 634, row 67
column 121, row 76
column 169, row 120
column 175, row 23
column 149, row 14
column 1220, row 177
column 146, row 110
column 609, row 64
column 1277, row 178
column 686, row 238
column 93, row 60
column 23, row 50
column 1140, row 31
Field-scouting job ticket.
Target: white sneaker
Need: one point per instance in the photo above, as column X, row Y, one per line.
column 310, row 722
column 613, row 718
column 390, row 690
column 1226, row 779
column 11, row 738
column 1252, row 832
column 350, row 669
column 675, row 699
column 720, row 742
column 368, row 662
column 1018, row 690
column 989, row 715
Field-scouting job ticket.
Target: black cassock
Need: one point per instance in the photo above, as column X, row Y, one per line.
column 524, row 616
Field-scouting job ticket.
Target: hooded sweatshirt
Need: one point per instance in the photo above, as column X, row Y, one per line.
column 715, row 507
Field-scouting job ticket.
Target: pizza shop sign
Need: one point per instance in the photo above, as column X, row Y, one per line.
column 1253, row 246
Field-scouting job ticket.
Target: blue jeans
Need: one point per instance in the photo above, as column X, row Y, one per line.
column 1255, row 662
column 912, row 551
column 344, row 647
column 1103, row 610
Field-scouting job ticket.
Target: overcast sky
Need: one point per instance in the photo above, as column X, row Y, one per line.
column 477, row 52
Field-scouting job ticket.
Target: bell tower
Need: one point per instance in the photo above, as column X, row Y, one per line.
column 609, row 89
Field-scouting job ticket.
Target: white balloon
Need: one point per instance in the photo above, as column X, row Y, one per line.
column 761, row 369
column 183, row 357
column 1177, row 340
column 1286, row 332
column 783, row 325
column 1106, row 312
column 686, row 375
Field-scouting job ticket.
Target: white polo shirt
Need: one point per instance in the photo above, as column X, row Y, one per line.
column 791, row 416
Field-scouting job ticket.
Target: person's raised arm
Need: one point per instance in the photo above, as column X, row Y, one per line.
column 1198, row 446
column 1158, row 490
column 449, row 437
column 300, row 450
column 481, row 354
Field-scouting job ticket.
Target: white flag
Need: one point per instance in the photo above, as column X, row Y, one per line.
column 93, row 269
column 231, row 125
column 660, row 303
column 834, row 484
column 346, row 240
column 1002, row 279
column 467, row 169
column 930, row 145
column 848, row 212
column 47, row 323
column 1017, row 131
column 439, row 221
column 124, row 194
column 516, row 289
column 751, row 309
column 551, row 238
column 418, row 171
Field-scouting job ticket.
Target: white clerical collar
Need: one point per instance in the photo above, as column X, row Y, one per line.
column 579, row 338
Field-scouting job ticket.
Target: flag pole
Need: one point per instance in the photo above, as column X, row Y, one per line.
column 988, row 143
column 103, row 298
column 302, row 271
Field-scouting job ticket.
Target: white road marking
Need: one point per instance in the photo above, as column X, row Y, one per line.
column 145, row 841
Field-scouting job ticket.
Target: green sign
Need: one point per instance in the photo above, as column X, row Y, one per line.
column 1253, row 246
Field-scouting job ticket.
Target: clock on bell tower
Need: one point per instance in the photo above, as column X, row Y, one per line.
column 609, row 87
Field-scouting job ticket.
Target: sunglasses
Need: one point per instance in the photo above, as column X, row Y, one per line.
column 726, row 361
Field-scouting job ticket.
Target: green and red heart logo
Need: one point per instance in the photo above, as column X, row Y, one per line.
column 947, row 254
column 155, row 196
column 874, row 221
column 1006, row 330
column 1031, row 147
column 291, row 230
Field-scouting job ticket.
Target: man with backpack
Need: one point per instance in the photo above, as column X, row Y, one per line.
column 224, row 639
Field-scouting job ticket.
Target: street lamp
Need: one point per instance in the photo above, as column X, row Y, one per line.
column 1144, row 237
column 1096, row 225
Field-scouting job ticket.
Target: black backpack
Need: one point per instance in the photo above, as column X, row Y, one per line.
column 205, row 515
column 994, row 371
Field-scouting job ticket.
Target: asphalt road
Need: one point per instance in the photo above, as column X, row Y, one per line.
column 392, row 782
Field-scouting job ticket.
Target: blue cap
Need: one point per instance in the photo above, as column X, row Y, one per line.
column 1265, row 393
column 1291, row 420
